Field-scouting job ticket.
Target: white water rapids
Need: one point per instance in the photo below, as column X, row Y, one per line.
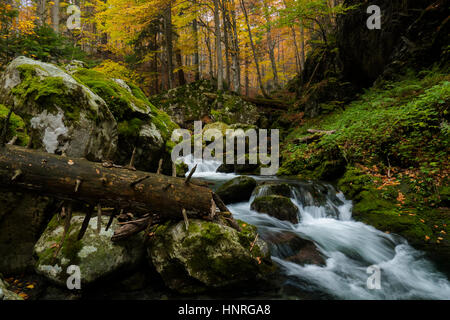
column 349, row 247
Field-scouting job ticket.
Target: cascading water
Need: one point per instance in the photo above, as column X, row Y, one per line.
column 350, row 247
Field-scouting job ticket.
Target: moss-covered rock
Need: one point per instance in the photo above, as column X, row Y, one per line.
column 195, row 101
column 96, row 255
column 268, row 189
column 208, row 256
column 276, row 206
column 23, row 216
column 140, row 123
column 237, row 189
column 17, row 127
column 67, row 115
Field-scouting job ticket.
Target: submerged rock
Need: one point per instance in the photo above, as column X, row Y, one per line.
column 96, row 255
column 293, row 248
column 208, row 256
column 237, row 189
column 276, row 206
column 67, row 116
column 268, row 189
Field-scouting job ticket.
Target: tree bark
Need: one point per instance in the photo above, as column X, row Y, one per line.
column 169, row 44
column 139, row 192
column 218, row 46
column 258, row 71
column 55, row 16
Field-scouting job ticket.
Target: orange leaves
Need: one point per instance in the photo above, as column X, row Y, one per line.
column 401, row 198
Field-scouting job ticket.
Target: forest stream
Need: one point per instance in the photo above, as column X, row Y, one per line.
column 350, row 247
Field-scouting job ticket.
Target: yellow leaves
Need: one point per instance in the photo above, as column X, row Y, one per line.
column 427, row 238
column 31, row 286
column 421, row 220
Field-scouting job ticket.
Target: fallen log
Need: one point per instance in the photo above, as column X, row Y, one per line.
column 321, row 131
column 71, row 179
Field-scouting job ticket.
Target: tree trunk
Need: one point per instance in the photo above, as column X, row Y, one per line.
column 218, row 46
column 55, row 16
column 169, row 44
column 271, row 46
column 235, row 53
column 244, row 10
column 139, row 192
column 196, row 53
column 226, row 41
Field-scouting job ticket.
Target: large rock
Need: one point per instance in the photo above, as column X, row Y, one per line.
column 140, row 124
column 293, row 248
column 96, row 255
column 67, row 116
column 5, row 294
column 237, row 190
column 208, row 256
column 278, row 207
column 200, row 100
column 268, row 189
column 23, row 217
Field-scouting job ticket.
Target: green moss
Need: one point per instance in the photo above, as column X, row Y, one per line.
column 48, row 93
column 122, row 103
column 16, row 126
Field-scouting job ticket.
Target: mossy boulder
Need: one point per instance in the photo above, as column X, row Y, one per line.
column 17, row 127
column 5, row 294
column 23, row 216
column 140, row 124
column 268, row 189
column 276, row 206
column 66, row 115
column 208, row 256
column 237, row 190
column 96, row 255
column 200, row 100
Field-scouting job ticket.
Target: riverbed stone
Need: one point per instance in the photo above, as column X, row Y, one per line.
column 268, row 189
column 96, row 255
column 292, row 247
column 208, row 256
column 276, row 206
column 237, row 190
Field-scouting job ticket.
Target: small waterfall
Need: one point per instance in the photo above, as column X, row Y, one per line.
column 350, row 247
column 205, row 168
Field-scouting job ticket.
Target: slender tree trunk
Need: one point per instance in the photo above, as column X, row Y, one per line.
column 271, row 46
column 169, row 43
column 196, row 52
column 302, row 46
column 55, row 16
column 218, row 46
column 226, row 41
column 180, row 72
column 210, row 58
column 255, row 57
column 235, row 52
column 41, row 11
